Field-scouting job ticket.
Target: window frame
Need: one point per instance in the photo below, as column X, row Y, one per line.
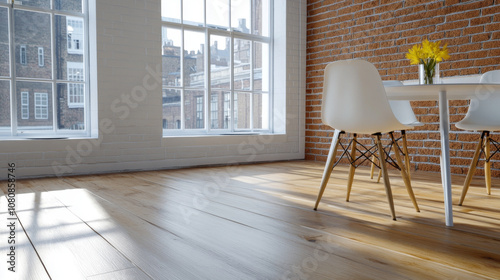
column 41, row 57
column 75, row 90
column 89, row 118
column 233, row 34
column 74, row 38
column 23, row 55
column 25, row 106
column 41, row 105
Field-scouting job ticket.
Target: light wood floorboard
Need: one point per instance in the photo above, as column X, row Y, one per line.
column 250, row 222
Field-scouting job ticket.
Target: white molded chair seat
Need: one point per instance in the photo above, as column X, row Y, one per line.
column 355, row 101
column 483, row 115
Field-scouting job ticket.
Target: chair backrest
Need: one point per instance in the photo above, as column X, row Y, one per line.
column 492, row 77
column 354, row 99
column 485, row 107
column 402, row 108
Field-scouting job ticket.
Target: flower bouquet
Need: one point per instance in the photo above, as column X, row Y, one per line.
column 428, row 54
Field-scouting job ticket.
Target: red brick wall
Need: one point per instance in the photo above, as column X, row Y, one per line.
column 381, row 32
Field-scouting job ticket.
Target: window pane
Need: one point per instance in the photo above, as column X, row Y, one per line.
column 261, row 111
column 242, row 110
column 261, row 17
column 242, row 70
column 171, row 10
column 70, row 46
column 218, row 14
column 28, row 38
column 40, row 106
column 220, row 71
column 34, row 3
column 71, row 117
column 171, row 57
column 194, row 70
column 261, row 67
column 240, row 15
column 4, row 107
column 171, row 109
column 4, row 43
column 193, row 12
column 194, row 109
column 68, row 5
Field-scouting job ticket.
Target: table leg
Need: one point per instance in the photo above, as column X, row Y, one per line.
column 444, row 128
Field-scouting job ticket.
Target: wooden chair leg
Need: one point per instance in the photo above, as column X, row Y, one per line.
column 387, row 184
column 372, row 168
column 352, row 168
column 372, row 171
column 332, row 155
column 407, row 155
column 472, row 169
column 487, row 163
column 404, row 174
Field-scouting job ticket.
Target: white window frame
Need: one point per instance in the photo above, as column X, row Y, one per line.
column 19, row 53
column 41, row 57
column 41, row 106
column 23, row 56
column 75, row 34
column 233, row 34
column 76, row 91
column 25, row 105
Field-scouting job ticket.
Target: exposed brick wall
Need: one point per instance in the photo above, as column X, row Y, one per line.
column 381, row 32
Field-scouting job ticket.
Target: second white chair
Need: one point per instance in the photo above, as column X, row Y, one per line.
column 355, row 101
column 483, row 115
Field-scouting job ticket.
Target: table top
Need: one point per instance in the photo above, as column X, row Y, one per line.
column 454, row 91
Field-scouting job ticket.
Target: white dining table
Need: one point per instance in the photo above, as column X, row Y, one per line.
column 443, row 93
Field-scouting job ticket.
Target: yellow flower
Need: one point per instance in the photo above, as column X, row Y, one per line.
column 422, row 54
column 415, row 54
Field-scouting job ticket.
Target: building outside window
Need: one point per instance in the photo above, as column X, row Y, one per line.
column 227, row 112
column 43, row 65
column 25, row 105
column 41, row 106
column 221, row 50
column 199, row 112
column 75, row 34
column 22, row 55
column 40, row 57
column 214, row 111
column 76, row 94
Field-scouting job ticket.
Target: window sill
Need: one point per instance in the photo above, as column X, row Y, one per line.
column 222, row 139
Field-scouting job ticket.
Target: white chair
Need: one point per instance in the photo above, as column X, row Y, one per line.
column 404, row 113
column 355, row 101
column 483, row 115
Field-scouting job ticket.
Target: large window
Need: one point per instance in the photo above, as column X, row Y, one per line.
column 216, row 66
column 41, row 70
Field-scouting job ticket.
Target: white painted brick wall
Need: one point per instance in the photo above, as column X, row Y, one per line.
column 128, row 40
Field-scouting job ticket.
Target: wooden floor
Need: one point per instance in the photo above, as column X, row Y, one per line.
column 248, row 222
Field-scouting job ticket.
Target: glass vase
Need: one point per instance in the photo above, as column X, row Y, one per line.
column 428, row 75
